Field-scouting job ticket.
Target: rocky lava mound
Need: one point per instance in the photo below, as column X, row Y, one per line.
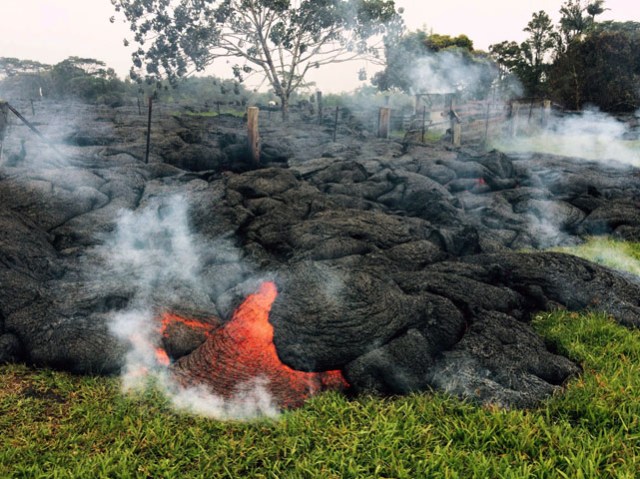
column 400, row 266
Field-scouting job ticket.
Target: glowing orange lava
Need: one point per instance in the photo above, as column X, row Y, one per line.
column 169, row 319
column 243, row 350
column 162, row 357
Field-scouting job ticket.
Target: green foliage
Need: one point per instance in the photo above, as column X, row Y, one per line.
column 23, row 78
column 10, row 67
column 580, row 62
column 436, row 42
column 615, row 254
column 602, row 69
column 527, row 59
column 278, row 39
column 207, row 89
column 86, row 79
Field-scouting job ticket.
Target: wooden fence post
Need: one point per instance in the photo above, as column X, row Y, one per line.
column 514, row 115
column 253, row 134
column 546, row 113
column 457, row 134
column 319, row 102
column 146, row 154
column 4, row 122
column 454, row 122
column 384, row 117
column 335, row 124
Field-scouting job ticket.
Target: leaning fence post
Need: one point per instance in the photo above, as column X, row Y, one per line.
column 146, row 155
column 253, row 134
column 384, row 116
column 456, row 127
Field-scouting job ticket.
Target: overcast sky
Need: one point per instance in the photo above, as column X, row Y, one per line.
column 51, row 30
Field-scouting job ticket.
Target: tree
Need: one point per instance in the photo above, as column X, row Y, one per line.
column 10, row 67
column 542, row 39
column 280, row 39
column 23, row 78
column 528, row 60
column 596, row 8
column 594, row 63
column 603, row 69
column 86, row 78
column 577, row 17
column 435, row 63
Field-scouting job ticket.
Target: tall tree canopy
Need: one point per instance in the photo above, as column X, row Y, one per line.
column 280, row 39
column 528, row 60
column 602, row 69
column 579, row 61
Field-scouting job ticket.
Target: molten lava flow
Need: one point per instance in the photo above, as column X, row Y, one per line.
column 162, row 357
column 243, row 351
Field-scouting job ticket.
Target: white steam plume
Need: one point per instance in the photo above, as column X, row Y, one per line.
column 590, row 135
column 59, row 124
column 446, row 72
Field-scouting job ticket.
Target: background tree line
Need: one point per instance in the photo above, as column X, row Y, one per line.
column 577, row 62
column 86, row 79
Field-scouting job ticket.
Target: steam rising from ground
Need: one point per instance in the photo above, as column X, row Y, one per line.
column 591, row 135
column 156, row 255
column 57, row 123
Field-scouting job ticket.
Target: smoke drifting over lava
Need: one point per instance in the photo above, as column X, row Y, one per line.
column 588, row 135
column 155, row 253
column 236, row 371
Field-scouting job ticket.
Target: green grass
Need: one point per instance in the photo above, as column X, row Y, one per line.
column 615, row 254
column 58, row 425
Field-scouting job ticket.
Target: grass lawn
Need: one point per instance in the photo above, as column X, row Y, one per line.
column 59, row 425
